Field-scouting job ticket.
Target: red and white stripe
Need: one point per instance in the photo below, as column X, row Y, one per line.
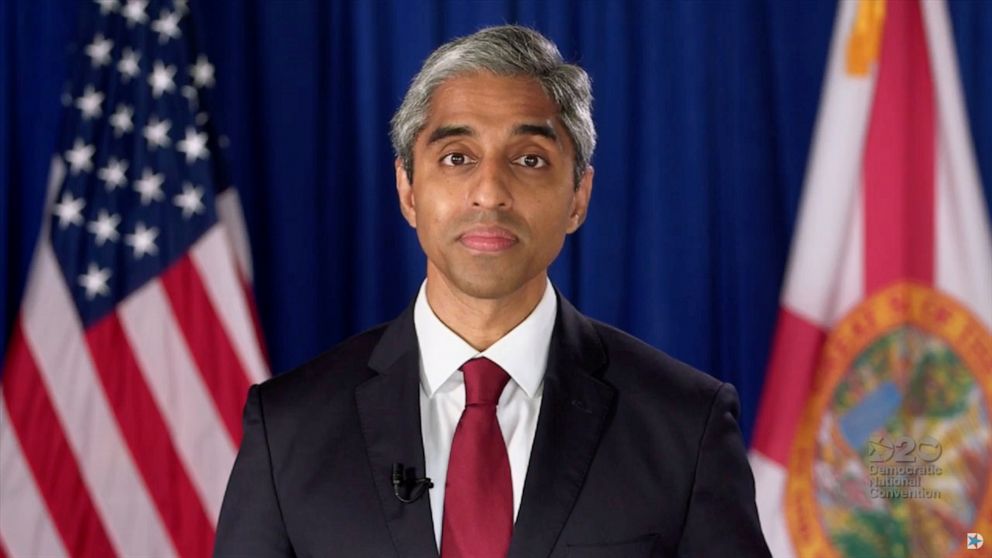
column 118, row 439
column 886, row 197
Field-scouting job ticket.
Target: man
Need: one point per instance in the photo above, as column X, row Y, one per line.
column 541, row 431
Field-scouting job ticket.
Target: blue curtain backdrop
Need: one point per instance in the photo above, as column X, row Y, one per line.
column 704, row 109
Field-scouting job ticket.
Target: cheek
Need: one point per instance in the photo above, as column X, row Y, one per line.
column 432, row 219
column 557, row 210
column 551, row 224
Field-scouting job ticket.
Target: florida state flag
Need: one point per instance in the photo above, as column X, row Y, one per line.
column 873, row 437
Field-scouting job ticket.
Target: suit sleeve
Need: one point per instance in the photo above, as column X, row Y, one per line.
column 722, row 518
column 251, row 521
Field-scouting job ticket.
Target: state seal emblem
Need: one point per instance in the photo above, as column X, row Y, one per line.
column 892, row 454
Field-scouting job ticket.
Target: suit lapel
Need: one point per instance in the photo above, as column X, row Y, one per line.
column 574, row 411
column 389, row 411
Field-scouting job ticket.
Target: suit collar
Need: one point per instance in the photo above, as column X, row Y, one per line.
column 399, row 338
column 389, row 412
column 574, row 342
column 574, row 413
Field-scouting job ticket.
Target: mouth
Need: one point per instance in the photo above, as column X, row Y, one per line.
column 488, row 239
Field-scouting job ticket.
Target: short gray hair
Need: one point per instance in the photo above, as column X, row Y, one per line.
column 505, row 50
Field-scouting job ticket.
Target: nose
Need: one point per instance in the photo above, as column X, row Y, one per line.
column 490, row 190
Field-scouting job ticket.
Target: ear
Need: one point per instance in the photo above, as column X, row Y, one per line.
column 580, row 201
column 404, row 190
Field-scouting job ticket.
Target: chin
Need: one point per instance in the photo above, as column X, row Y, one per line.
column 486, row 278
column 487, row 287
column 489, row 282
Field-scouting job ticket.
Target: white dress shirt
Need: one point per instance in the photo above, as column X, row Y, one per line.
column 522, row 353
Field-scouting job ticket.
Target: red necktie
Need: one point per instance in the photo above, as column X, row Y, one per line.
column 478, row 497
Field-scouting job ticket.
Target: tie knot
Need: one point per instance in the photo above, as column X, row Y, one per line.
column 484, row 381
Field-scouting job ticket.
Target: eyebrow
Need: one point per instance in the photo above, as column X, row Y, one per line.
column 543, row 130
column 449, row 131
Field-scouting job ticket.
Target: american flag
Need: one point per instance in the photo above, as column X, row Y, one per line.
column 122, row 388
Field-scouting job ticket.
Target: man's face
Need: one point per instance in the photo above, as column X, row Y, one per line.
column 493, row 194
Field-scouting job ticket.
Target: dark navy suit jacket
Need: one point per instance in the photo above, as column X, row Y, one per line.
column 635, row 454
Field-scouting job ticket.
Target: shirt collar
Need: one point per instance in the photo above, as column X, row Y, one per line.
column 522, row 352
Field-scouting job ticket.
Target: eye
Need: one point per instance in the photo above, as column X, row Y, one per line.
column 531, row 161
column 456, row 160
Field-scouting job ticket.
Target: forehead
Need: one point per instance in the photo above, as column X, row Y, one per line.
column 483, row 98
